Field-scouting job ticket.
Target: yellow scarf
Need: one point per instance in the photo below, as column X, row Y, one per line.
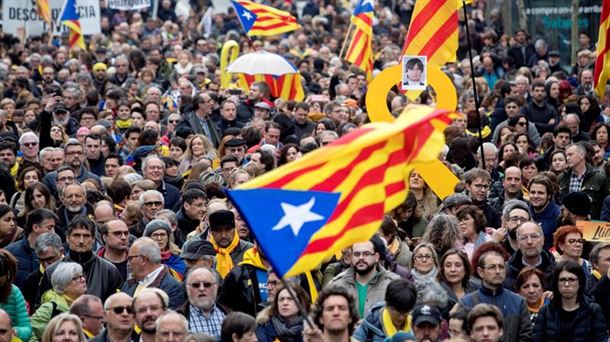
column 388, row 326
column 394, row 246
column 224, row 262
column 252, row 257
column 596, row 274
column 124, row 124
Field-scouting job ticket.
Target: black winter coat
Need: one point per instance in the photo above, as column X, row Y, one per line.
column 589, row 324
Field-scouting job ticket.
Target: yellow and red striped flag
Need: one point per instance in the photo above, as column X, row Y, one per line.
column 287, row 87
column 306, row 210
column 602, row 67
column 44, row 10
column 71, row 18
column 360, row 50
column 262, row 20
column 433, row 31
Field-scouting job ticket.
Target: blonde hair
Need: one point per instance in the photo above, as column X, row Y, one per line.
column 57, row 321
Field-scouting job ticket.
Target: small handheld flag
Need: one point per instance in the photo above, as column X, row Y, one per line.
column 602, row 61
column 261, row 20
column 360, row 50
column 331, row 198
column 44, row 11
column 70, row 17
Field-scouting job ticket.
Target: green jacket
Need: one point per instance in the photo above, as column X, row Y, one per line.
column 15, row 307
column 52, row 304
column 594, row 184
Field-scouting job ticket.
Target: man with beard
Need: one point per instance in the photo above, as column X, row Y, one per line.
column 61, row 116
column 115, row 235
column 514, row 214
column 148, row 305
column 100, row 78
column 75, row 158
column 491, row 269
column 512, row 188
column 543, row 208
column 334, row 314
column 226, row 241
column 201, row 310
column 74, row 199
column 427, row 323
column 8, row 156
column 477, row 185
column 530, row 254
column 366, row 279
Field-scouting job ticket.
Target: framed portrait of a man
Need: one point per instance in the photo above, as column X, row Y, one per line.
column 414, row 72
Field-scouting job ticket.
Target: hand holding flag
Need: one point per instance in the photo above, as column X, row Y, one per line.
column 304, row 211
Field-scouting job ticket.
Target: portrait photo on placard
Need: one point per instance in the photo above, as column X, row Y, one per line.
column 414, row 72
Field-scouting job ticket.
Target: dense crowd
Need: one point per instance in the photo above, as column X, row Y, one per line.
column 115, row 224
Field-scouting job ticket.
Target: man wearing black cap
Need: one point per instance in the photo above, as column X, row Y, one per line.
column 198, row 253
column 237, row 148
column 226, row 242
column 426, row 323
column 61, row 116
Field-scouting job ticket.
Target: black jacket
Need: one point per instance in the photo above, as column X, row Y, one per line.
column 165, row 282
column 515, row 265
column 540, row 116
column 185, row 225
column 588, row 325
column 241, row 291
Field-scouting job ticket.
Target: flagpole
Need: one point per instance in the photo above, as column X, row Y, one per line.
column 474, row 84
column 349, row 32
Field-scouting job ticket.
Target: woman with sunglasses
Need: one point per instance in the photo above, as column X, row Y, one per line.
column 68, row 283
column 568, row 243
column 570, row 316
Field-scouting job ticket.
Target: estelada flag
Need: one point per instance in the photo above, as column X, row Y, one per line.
column 602, row 67
column 306, row 210
column 70, row 17
column 262, row 20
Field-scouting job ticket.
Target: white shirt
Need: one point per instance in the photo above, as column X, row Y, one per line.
column 150, row 277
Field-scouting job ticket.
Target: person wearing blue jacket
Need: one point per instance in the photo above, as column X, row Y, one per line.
column 492, row 271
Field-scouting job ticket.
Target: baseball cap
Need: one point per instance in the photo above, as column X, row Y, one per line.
column 196, row 249
column 61, row 108
column 426, row 313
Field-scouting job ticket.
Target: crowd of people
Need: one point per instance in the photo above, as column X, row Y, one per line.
column 115, row 224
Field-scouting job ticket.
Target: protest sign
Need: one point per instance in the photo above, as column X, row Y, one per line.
column 19, row 15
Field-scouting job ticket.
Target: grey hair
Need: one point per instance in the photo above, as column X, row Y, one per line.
column 48, row 240
column 73, row 90
column 431, row 292
column 328, row 133
column 131, row 178
column 443, row 232
column 573, row 116
column 28, row 135
column 594, row 258
column 170, row 215
column 63, row 275
column 147, row 159
column 168, row 312
column 150, row 192
column 539, row 43
column 160, row 293
column 513, row 204
column 534, row 223
column 420, row 246
column 43, row 153
column 150, row 249
column 488, row 147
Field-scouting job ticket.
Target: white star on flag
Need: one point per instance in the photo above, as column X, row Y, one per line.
column 296, row 216
column 247, row 15
column 365, row 2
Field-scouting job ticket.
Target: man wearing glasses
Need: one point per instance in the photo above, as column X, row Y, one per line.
column 144, row 261
column 514, row 213
column 531, row 253
column 201, row 310
column 90, row 310
column 118, row 315
column 492, row 271
column 478, row 182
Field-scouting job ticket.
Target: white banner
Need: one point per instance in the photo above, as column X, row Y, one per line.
column 128, row 5
column 21, row 17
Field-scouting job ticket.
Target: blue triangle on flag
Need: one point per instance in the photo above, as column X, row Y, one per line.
column 283, row 221
column 245, row 16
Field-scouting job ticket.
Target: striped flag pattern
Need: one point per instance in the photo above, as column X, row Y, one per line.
column 360, row 50
column 602, row 69
column 369, row 169
column 69, row 16
column 262, row 20
column 433, row 31
column 44, row 11
column 287, row 87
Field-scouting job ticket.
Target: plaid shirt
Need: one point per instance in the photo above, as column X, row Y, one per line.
column 199, row 323
column 576, row 182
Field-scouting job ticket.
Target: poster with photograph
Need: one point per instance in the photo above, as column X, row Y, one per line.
column 414, row 72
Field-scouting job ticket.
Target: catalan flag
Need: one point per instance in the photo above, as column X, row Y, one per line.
column 69, row 16
column 433, row 31
column 44, row 11
column 360, row 50
column 306, row 210
column 261, row 20
column 288, row 87
column 602, row 67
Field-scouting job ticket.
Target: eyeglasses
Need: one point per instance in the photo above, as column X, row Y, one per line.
column 120, row 233
column 120, row 309
column 534, row 237
column 518, row 219
column 94, row 317
column 63, row 179
column 32, row 144
column 364, row 254
column 173, row 121
column 499, row 267
column 205, row 284
column 159, row 235
column 575, row 242
column 423, row 256
column 521, row 123
column 568, row 281
column 153, row 203
column 481, row 186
